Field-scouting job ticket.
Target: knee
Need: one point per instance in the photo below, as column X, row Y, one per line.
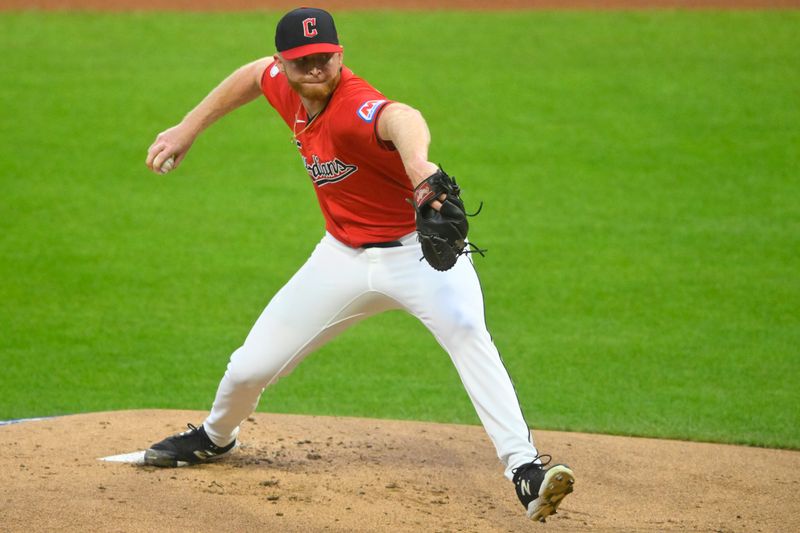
column 251, row 369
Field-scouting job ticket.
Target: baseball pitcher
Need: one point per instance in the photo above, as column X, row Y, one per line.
column 385, row 206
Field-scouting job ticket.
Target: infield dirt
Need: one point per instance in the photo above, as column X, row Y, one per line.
column 304, row 473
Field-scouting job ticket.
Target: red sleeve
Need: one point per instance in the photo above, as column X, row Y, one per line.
column 277, row 91
column 358, row 114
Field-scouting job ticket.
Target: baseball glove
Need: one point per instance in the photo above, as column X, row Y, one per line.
column 442, row 233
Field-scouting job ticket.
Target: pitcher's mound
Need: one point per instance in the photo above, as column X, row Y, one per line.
column 306, row 473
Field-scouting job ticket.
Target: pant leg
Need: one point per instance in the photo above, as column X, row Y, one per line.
column 326, row 296
column 451, row 306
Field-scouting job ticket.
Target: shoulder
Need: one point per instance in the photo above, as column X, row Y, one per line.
column 267, row 72
column 276, row 89
column 354, row 87
column 257, row 69
column 358, row 98
column 272, row 80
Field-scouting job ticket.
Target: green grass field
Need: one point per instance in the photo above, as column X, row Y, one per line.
column 641, row 179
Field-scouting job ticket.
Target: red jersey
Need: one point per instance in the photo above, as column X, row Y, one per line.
column 360, row 181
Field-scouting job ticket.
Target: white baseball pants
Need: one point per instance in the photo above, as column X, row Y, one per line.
column 339, row 286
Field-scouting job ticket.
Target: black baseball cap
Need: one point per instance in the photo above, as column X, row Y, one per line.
column 306, row 31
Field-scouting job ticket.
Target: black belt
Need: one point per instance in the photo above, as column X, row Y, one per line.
column 390, row 244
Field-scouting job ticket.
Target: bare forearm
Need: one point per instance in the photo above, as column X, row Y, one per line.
column 406, row 128
column 236, row 90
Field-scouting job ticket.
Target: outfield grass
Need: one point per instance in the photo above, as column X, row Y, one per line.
column 640, row 179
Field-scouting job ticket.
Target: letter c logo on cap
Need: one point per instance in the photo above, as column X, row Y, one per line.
column 310, row 27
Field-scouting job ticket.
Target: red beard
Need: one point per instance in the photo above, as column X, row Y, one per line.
column 315, row 91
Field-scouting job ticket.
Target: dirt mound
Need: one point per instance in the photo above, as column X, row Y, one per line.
column 305, row 473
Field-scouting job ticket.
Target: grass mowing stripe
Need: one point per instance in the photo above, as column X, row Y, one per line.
column 639, row 171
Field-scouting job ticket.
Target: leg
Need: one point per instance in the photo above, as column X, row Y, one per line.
column 450, row 304
column 311, row 309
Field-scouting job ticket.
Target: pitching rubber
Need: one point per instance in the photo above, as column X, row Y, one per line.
column 557, row 483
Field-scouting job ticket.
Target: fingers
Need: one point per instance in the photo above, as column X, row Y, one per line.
column 154, row 150
column 163, row 162
column 157, row 154
column 163, row 156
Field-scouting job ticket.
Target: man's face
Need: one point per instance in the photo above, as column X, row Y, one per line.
column 314, row 76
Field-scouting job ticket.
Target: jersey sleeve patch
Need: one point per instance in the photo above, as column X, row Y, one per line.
column 274, row 70
column 367, row 110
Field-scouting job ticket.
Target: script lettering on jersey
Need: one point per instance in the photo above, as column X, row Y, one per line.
column 327, row 172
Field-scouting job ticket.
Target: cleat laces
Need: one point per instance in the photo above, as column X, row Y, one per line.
column 521, row 470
